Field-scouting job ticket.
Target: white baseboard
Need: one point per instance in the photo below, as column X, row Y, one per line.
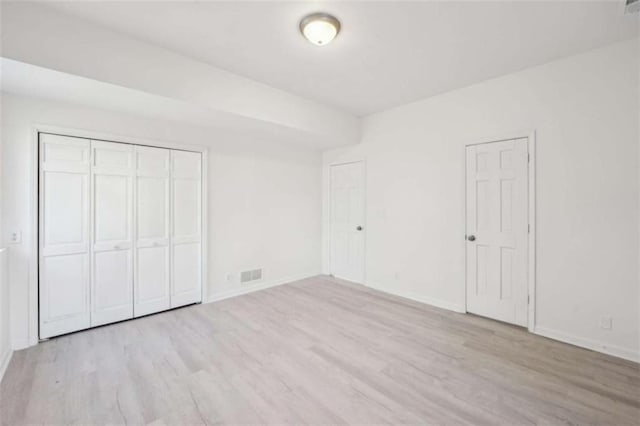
column 438, row 303
column 21, row 343
column 4, row 362
column 561, row 336
column 257, row 287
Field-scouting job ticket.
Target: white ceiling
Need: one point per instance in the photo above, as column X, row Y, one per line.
column 388, row 53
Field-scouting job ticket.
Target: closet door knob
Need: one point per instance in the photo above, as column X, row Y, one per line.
column 471, row 238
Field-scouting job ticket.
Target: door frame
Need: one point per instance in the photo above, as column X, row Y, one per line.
column 364, row 220
column 33, row 287
column 531, row 213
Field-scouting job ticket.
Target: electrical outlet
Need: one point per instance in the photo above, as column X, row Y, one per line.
column 15, row 237
column 606, row 322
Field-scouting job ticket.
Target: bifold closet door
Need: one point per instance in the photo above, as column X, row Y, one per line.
column 112, row 219
column 120, row 232
column 186, row 276
column 152, row 254
column 64, row 234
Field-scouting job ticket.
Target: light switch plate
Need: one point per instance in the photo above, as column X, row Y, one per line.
column 15, row 237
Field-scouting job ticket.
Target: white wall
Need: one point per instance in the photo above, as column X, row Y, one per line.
column 264, row 198
column 585, row 111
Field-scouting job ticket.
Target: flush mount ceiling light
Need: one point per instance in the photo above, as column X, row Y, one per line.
column 319, row 28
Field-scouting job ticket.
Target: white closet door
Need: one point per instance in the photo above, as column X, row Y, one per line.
column 64, row 235
column 152, row 253
column 112, row 216
column 186, row 277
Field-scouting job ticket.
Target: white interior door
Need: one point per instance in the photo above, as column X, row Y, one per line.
column 152, row 253
column 497, row 230
column 64, row 235
column 186, row 250
column 347, row 221
column 112, row 219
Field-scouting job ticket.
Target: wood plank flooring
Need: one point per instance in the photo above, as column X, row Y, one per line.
column 315, row 352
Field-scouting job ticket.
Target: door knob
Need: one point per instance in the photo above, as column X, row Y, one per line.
column 471, row 238
column 359, row 228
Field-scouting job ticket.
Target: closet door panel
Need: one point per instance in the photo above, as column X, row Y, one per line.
column 186, row 282
column 186, row 208
column 63, row 235
column 152, row 286
column 112, row 212
column 112, row 224
column 186, row 164
column 65, row 279
column 186, row 276
column 153, row 202
column 65, row 198
column 152, row 278
column 112, row 286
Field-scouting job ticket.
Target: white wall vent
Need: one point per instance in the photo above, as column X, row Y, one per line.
column 632, row 6
column 253, row 275
column 256, row 274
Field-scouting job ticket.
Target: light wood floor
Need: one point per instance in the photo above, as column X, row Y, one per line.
column 315, row 351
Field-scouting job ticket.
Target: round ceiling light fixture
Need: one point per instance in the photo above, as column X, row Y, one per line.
column 320, row 28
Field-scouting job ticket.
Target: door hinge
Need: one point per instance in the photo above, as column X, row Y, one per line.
column 528, row 228
column 528, row 297
column 528, row 158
